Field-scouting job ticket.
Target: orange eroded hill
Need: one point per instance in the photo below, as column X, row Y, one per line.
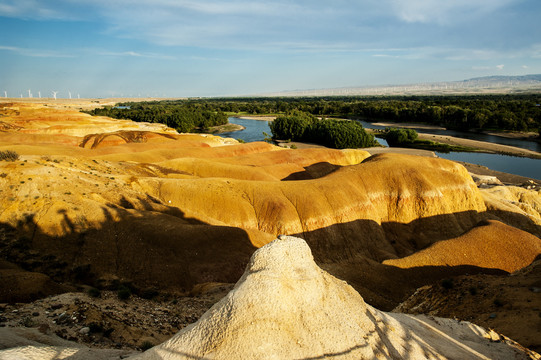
column 373, row 191
column 483, row 246
column 115, row 200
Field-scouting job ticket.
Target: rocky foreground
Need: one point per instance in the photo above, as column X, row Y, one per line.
column 285, row 306
column 107, row 205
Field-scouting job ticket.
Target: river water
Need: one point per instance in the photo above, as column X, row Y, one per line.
column 253, row 132
column 525, row 144
column 509, row 164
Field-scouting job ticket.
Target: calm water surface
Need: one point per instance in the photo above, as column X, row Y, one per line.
column 524, row 144
column 510, row 164
column 253, row 132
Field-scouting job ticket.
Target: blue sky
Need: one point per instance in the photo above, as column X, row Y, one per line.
column 174, row 48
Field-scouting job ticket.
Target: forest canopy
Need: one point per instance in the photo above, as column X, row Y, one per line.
column 468, row 112
column 181, row 116
column 339, row 134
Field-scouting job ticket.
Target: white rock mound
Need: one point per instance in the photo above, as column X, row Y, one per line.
column 286, row 307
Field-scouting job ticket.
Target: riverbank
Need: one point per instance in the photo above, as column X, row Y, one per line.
column 225, row 128
column 408, row 125
column 257, row 117
column 518, row 135
column 482, row 146
column 528, row 136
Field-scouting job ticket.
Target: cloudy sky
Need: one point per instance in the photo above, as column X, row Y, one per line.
column 104, row 48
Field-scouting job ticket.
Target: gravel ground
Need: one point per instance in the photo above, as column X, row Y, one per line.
column 108, row 322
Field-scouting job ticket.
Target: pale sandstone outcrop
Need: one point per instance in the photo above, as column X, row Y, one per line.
column 516, row 206
column 286, row 307
column 481, row 180
column 31, row 344
column 514, row 199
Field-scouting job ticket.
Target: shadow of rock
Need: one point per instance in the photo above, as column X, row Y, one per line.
column 152, row 251
column 173, row 253
column 354, row 252
column 313, row 171
column 368, row 239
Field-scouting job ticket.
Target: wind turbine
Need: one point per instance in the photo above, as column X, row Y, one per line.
column 54, row 94
column 78, row 96
column 69, row 92
column 39, row 94
column 5, row 94
column 29, row 93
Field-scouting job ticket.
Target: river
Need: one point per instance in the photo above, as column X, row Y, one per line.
column 525, row 144
column 253, row 132
column 509, row 164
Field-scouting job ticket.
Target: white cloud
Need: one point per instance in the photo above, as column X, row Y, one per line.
column 134, row 54
column 223, row 8
column 232, row 24
column 33, row 9
column 489, row 68
column 444, row 12
column 274, row 25
column 36, row 52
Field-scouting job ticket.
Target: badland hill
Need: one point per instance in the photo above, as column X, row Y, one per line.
column 100, row 202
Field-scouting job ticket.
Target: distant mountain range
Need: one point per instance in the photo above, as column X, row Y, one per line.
column 481, row 85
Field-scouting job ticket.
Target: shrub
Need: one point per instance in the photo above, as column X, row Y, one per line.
column 94, row 292
column 292, row 126
column 146, row 345
column 124, row 292
column 400, row 136
column 8, row 155
column 27, row 322
column 149, row 294
column 447, row 283
column 95, row 328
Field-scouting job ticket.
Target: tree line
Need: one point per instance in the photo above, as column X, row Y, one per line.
column 182, row 116
column 338, row 134
column 468, row 113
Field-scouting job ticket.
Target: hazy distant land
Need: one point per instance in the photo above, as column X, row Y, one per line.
column 480, row 85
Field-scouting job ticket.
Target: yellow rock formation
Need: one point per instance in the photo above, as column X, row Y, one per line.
column 483, row 246
column 113, row 199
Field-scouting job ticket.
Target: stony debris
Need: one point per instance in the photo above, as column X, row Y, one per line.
column 106, row 321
